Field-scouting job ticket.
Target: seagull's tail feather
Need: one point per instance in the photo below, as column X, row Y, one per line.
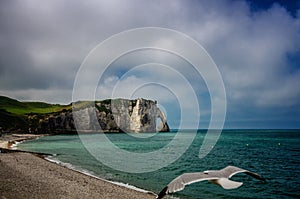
column 162, row 193
column 226, row 183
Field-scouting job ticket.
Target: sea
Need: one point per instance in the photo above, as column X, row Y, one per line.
column 274, row 154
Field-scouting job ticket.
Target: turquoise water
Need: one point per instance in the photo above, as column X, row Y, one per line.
column 275, row 154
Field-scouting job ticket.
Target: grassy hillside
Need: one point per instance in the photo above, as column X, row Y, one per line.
column 20, row 108
column 14, row 115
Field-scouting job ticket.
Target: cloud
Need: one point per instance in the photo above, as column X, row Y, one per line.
column 257, row 51
column 52, row 95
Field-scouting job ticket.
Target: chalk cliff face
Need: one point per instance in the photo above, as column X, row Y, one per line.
column 143, row 117
column 118, row 115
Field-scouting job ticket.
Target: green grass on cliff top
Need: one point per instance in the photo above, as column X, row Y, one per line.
column 17, row 107
column 21, row 108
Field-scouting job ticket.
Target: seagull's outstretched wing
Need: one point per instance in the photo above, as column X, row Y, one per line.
column 179, row 183
column 229, row 171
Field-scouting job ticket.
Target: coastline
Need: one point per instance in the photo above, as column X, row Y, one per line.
column 43, row 177
column 85, row 172
column 9, row 141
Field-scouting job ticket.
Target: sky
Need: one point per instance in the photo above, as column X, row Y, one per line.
column 254, row 44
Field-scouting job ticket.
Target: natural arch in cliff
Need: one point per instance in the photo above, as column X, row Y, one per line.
column 163, row 126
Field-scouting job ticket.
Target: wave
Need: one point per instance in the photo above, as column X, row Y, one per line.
column 14, row 145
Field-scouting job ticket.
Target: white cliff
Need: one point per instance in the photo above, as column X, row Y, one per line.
column 117, row 115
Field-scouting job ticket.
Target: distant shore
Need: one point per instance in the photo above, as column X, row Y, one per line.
column 25, row 175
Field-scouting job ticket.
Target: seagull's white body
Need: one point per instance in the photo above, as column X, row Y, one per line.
column 219, row 177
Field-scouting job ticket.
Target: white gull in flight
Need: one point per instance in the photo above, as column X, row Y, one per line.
column 219, row 177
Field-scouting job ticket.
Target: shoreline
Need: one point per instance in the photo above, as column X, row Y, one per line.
column 9, row 151
column 9, row 141
column 88, row 173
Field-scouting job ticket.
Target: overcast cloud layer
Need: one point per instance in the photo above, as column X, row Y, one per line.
column 43, row 44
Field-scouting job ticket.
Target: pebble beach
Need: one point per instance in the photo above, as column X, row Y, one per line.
column 27, row 175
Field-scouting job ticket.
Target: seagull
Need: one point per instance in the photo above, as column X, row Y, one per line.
column 218, row 177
